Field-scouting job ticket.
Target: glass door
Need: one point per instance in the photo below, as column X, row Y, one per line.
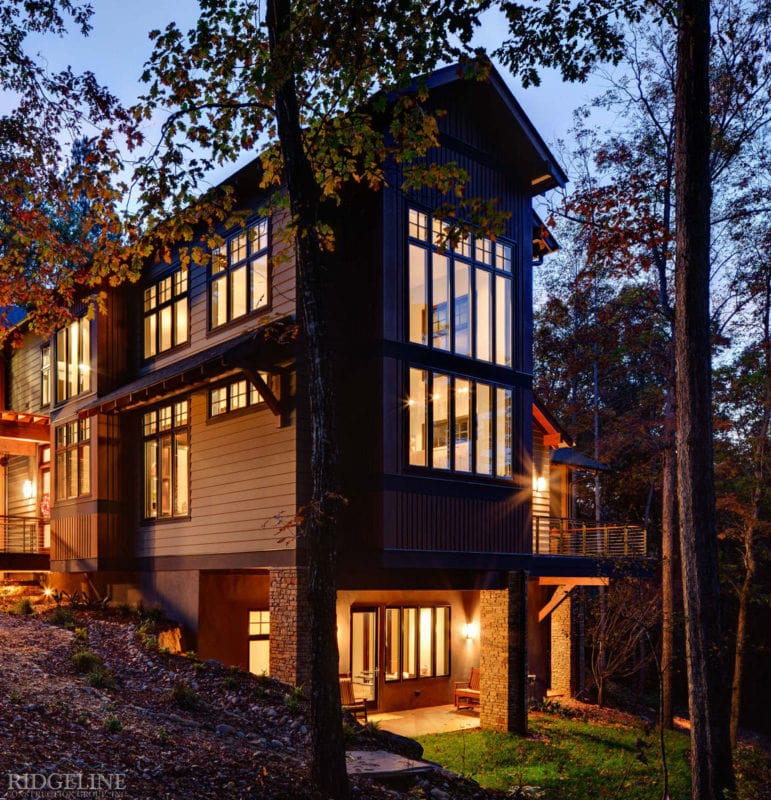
column 364, row 666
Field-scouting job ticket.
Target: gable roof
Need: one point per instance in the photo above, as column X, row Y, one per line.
column 522, row 136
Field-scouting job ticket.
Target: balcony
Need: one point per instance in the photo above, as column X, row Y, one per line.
column 22, row 544
column 560, row 536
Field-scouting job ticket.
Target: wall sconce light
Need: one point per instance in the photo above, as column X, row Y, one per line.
column 28, row 489
column 471, row 630
column 539, row 483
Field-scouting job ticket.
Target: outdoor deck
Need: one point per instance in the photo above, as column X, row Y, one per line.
column 22, row 544
column 561, row 536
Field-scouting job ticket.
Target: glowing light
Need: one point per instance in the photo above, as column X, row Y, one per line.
column 28, row 489
column 48, row 591
column 539, row 483
column 471, row 630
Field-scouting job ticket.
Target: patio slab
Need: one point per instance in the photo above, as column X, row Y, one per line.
column 420, row 721
column 382, row 764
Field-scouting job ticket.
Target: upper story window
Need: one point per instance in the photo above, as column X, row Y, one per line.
column 459, row 425
column 167, row 460
column 239, row 275
column 73, row 459
column 233, row 396
column 165, row 313
column 460, row 296
column 73, row 359
column 45, row 375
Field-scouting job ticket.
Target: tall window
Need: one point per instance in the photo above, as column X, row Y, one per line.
column 259, row 642
column 73, row 459
column 165, row 309
column 167, row 461
column 459, row 425
column 460, row 296
column 239, row 274
column 417, row 643
column 73, row 359
column 45, row 375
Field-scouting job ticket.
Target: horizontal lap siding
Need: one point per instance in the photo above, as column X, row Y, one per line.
column 25, row 376
column 242, row 480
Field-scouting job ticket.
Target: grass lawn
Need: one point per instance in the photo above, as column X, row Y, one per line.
column 567, row 759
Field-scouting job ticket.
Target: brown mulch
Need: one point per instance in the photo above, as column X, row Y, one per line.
column 235, row 738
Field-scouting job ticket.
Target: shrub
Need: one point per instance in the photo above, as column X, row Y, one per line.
column 101, row 678
column 62, row 617
column 86, row 661
column 185, row 696
column 24, row 606
column 112, row 724
column 292, row 699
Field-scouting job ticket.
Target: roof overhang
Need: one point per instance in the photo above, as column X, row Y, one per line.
column 569, row 457
column 554, row 434
column 20, row 433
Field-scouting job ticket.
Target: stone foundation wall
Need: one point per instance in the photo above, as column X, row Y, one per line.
column 561, row 660
column 290, row 630
column 503, row 656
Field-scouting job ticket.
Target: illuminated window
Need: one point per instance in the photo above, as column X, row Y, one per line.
column 460, row 294
column 259, row 642
column 73, row 459
column 239, row 275
column 234, row 395
column 73, row 360
column 166, row 433
column 457, row 424
column 165, row 313
column 417, row 642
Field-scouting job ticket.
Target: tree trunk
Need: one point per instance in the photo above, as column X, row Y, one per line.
column 741, row 631
column 668, row 523
column 319, row 520
column 711, row 767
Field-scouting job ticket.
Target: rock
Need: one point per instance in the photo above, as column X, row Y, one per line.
column 439, row 794
column 224, row 730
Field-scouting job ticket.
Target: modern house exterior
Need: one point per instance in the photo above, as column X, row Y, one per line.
column 158, row 453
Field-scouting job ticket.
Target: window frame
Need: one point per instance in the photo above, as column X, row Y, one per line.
column 401, row 676
column 72, row 438
column 261, row 226
column 500, row 459
column 254, row 398
column 178, row 292
column 156, row 433
column 262, row 636
column 83, row 368
column 46, row 352
column 477, row 256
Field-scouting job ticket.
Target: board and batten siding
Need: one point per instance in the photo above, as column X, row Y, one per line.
column 242, row 486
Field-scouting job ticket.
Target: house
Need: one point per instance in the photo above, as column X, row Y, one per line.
column 159, row 452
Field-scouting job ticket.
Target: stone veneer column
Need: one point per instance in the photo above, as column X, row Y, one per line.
column 561, row 660
column 503, row 656
column 290, row 634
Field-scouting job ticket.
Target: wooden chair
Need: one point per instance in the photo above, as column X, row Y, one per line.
column 349, row 701
column 468, row 691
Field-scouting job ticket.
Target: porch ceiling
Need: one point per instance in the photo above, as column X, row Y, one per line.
column 20, row 433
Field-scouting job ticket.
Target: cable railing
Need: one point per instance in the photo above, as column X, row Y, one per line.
column 561, row 536
column 21, row 534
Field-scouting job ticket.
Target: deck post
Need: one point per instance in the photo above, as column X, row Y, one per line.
column 503, row 656
column 290, row 640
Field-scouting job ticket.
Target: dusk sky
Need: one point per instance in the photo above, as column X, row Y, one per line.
column 118, row 47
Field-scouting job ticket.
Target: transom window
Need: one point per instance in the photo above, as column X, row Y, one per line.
column 458, row 424
column 167, row 461
column 239, row 274
column 73, row 459
column 73, row 359
column 234, row 395
column 417, row 642
column 165, row 310
column 460, row 296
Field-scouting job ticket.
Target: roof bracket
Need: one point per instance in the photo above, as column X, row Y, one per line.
column 274, row 403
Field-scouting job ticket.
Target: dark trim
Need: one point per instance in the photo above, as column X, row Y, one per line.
column 418, row 355
column 226, row 561
column 24, row 562
column 423, row 480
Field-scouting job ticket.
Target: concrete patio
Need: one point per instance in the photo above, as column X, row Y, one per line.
column 420, row 721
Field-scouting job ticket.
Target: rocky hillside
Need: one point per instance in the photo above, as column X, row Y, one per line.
column 91, row 694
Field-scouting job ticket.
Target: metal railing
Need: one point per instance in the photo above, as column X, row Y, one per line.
column 561, row 536
column 21, row 534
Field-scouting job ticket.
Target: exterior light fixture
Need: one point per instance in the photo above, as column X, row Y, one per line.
column 28, row 489
column 471, row 630
column 539, row 483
